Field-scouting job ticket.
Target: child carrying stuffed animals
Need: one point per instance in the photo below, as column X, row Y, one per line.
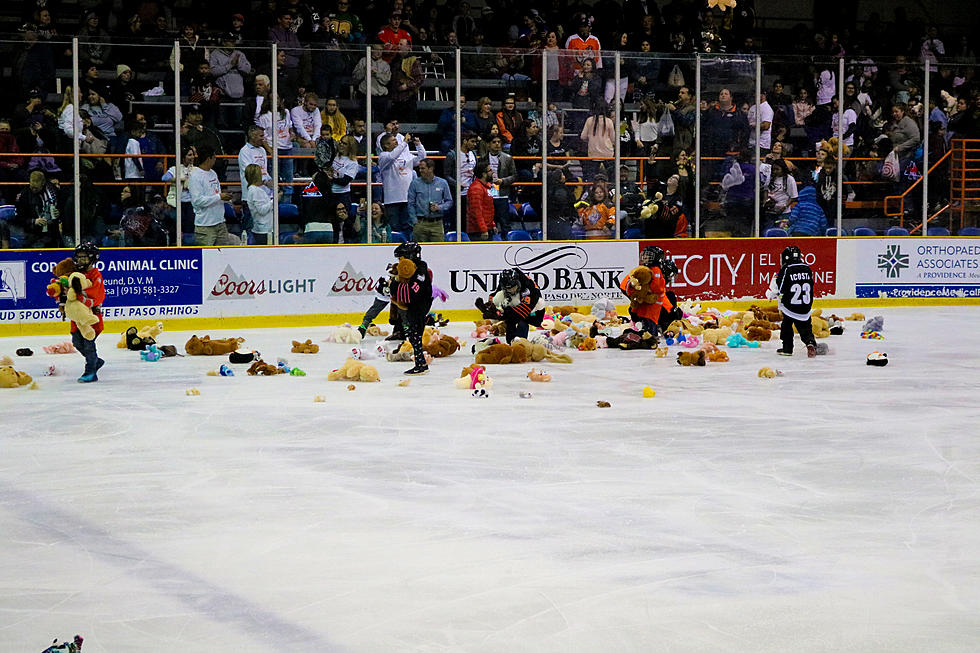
column 411, row 294
column 80, row 301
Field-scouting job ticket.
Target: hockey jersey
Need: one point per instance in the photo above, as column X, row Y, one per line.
column 793, row 286
column 526, row 302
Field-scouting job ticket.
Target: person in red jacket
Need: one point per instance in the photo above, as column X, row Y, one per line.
column 479, row 203
column 643, row 314
column 86, row 256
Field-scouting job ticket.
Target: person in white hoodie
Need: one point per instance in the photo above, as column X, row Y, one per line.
column 259, row 199
column 396, row 165
column 208, row 202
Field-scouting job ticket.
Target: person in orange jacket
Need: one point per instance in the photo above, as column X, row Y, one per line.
column 479, row 204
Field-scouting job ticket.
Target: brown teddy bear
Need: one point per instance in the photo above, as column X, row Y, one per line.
column 498, row 354
column 758, row 334
column 11, row 378
column 765, row 324
column 588, row 344
column 640, row 278
column 718, row 356
column 61, row 272
column 261, row 368
column 404, row 271
column 305, row 347
column 354, row 370
column 441, row 346
column 207, row 347
column 769, row 313
column 691, row 358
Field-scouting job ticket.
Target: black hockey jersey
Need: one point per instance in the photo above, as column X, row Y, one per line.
column 793, row 285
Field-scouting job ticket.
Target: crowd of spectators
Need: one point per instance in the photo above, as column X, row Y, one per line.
column 225, row 80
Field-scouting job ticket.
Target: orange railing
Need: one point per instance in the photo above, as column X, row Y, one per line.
column 964, row 176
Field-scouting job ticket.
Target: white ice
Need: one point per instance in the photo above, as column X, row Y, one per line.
column 833, row 509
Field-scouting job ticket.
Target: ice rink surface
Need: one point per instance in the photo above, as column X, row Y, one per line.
column 835, row 508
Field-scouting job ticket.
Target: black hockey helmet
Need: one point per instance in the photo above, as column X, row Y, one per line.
column 510, row 279
column 791, row 254
column 410, row 250
column 652, row 256
column 89, row 248
column 669, row 269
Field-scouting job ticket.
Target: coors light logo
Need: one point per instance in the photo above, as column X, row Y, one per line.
column 231, row 285
column 352, row 282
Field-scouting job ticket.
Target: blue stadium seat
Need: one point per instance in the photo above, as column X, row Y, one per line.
column 969, row 231
column 230, row 213
column 518, row 234
column 537, row 234
column 188, row 240
column 8, row 212
column 865, row 231
column 397, row 237
column 832, row 231
column 633, row 232
column 288, row 213
column 496, row 237
column 528, row 211
column 937, row 231
column 451, row 237
column 775, row 232
column 896, row 231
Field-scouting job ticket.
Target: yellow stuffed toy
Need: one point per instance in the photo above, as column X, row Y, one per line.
column 11, row 378
column 149, row 331
column 354, row 370
column 75, row 310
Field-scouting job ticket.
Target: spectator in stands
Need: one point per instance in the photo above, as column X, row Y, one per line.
column 429, row 201
column 599, row 133
column 261, row 206
column 510, row 121
column 528, row 145
column 336, row 119
column 380, row 229
column 584, row 46
column 345, row 169
column 359, row 133
column 480, row 60
column 561, row 205
column 35, row 65
column 90, row 79
column 597, row 216
column 396, row 167
column 406, row 78
column 463, row 24
column 237, row 29
column 208, row 200
column 47, row 29
column 255, row 150
column 230, row 67
column 205, row 92
column 38, row 216
column 380, row 76
column 285, row 38
column 503, row 174
column 725, row 127
column 263, row 88
column 479, row 204
column 93, row 41
column 586, row 86
column 323, row 159
column 192, row 53
column 306, row 19
column 188, row 160
column 11, row 167
column 331, row 60
column 123, row 91
column 132, row 165
column 849, row 122
column 391, row 35
column 904, row 134
column 345, row 24
column 93, row 143
column 458, row 168
column 278, row 127
column 553, row 55
column 684, row 114
column 307, row 120
column 105, row 115
column 483, row 117
column 807, row 218
column 288, row 79
column 739, row 186
column 780, row 193
column 826, row 181
column 763, row 114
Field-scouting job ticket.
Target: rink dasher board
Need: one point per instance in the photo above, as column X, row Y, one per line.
column 244, row 287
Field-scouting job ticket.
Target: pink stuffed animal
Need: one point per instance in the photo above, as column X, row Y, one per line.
column 691, row 342
column 60, row 348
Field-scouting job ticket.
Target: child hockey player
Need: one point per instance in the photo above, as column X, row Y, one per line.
column 647, row 316
column 793, row 286
column 85, row 257
column 517, row 301
column 411, row 294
